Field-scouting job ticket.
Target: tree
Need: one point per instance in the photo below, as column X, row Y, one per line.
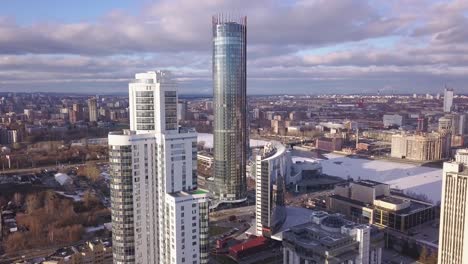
column 91, row 171
column 423, row 255
column 90, row 200
column 426, row 258
column 18, row 199
column 15, row 242
column 432, row 259
column 33, row 202
column 52, row 203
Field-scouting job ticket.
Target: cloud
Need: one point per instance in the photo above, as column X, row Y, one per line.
column 304, row 43
column 172, row 26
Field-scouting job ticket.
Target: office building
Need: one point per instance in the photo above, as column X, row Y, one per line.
column 448, row 100
column 303, row 170
column 329, row 238
column 272, row 167
column 373, row 202
column 230, row 108
column 453, row 230
column 445, row 123
column 92, row 109
column 453, row 122
column 421, row 147
column 154, row 178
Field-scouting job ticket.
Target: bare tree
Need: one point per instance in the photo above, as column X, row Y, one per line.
column 91, row 171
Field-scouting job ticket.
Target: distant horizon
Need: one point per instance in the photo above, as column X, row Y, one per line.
column 209, row 95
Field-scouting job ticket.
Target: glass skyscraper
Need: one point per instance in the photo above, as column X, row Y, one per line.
column 229, row 88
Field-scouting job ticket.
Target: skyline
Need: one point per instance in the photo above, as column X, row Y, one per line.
column 395, row 46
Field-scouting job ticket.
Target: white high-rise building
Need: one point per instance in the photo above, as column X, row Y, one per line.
column 453, row 231
column 448, row 100
column 188, row 218
column 158, row 215
column 153, row 103
column 272, row 167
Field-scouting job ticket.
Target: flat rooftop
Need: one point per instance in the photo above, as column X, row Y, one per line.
column 349, row 200
column 415, row 205
column 392, row 200
column 368, row 183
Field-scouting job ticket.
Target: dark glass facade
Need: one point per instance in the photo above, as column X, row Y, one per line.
column 121, row 187
column 271, row 197
column 403, row 221
column 230, row 112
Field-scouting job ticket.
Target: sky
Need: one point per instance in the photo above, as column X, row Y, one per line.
column 294, row 46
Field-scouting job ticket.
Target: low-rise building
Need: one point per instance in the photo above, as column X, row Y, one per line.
column 373, row 202
column 98, row 251
column 301, row 169
column 329, row 238
column 205, row 158
column 329, row 143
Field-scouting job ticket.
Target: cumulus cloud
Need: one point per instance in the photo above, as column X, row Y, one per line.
column 304, row 43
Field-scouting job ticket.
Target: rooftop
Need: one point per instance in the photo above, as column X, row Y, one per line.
column 392, row 200
column 272, row 150
column 253, row 243
column 368, row 183
column 414, row 205
column 316, row 236
column 187, row 193
column 63, row 252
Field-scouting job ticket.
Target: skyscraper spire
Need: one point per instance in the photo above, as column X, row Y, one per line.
column 230, row 111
